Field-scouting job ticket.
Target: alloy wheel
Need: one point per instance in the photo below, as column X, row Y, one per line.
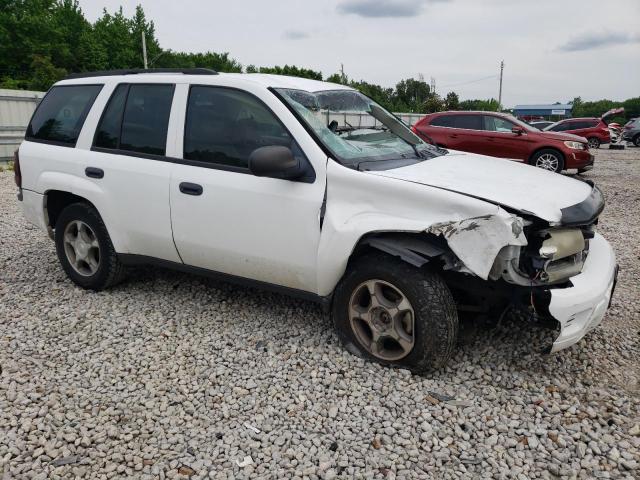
column 382, row 319
column 82, row 248
column 593, row 143
column 548, row 161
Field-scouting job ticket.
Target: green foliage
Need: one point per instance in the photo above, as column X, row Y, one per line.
column 452, row 101
column 490, row 105
column 597, row 108
column 411, row 95
column 291, row 70
column 7, row 167
column 44, row 73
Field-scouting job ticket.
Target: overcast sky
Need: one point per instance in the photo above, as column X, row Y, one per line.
column 553, row 49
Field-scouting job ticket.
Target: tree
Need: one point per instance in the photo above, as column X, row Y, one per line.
column 631, row 108
column 490, row 105
column 44, row 73
column 434, row 103
column 451, row 101
column 291, row 70
column 338, row 78
column 410, row 95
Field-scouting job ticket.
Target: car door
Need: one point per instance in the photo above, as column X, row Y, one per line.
column 467, row 134
column 436, row 129
column 128, row 166
column 225, row 218
column 579, row 127
column 502, row 142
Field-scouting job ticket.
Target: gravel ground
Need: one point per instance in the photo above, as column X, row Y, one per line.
column 171, row 376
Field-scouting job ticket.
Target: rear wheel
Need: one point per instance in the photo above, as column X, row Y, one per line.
column 593, row 142
column 548, row 159
column 84, row 248
column 636, row 140
column 396, row 314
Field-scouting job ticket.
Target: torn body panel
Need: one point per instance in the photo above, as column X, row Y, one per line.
column 477, row 241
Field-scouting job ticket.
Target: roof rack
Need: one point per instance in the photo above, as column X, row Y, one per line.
column 136, row 71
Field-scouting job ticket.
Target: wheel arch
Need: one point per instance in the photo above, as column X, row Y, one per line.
column 55, row 200
column 414, row 248
column 550, row 147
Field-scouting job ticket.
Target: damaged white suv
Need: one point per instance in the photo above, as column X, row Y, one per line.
column 313, row 189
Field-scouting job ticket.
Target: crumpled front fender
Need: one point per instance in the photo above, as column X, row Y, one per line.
column 477, row 241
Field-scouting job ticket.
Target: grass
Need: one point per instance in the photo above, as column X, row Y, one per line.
column 8, row 167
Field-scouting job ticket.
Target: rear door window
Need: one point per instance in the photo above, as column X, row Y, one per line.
column 562, row 127
column 442, row 121
column 468, row 122
column 136, row 119
column 61, row 114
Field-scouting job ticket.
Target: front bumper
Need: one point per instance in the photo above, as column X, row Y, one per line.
column 578, row 158
column 581, row 307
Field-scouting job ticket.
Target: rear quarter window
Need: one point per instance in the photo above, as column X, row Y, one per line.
column 61, row 114
column 442, row 121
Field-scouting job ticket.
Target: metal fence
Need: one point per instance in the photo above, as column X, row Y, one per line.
column 16, row 108
column 365, row 120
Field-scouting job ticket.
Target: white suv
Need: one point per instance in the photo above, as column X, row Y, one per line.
column 315, row 190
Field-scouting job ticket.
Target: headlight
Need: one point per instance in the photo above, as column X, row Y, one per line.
column 576, row 145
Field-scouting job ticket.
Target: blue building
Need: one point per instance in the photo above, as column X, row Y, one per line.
column 549, row 112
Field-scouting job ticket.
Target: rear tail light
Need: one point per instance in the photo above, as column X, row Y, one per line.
column 17, row 174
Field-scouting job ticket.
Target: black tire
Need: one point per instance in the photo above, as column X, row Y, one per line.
column 109, row 270
column 435, row 328
column 594, row 142
column 636, row 140
column 537, row 158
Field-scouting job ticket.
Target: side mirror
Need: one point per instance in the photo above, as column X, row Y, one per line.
column 276, row 162
column 517, row 130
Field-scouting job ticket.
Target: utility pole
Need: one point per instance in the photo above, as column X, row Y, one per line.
column 433, row 86
column 500, row 91
column 342, row 77
column 144, row 50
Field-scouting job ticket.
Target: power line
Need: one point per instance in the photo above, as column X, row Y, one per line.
column 470, row 81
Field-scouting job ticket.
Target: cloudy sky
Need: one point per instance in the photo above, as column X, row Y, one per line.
column 553, row 50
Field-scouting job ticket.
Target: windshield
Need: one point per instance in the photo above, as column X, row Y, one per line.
column 356, row 130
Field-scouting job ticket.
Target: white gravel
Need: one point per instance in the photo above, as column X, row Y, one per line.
column 171, row 376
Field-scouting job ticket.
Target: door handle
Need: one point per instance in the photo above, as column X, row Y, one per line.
column 94, row 172
column 191, row 188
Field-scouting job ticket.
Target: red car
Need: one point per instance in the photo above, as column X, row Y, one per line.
column 593, row 129
column 500, row 135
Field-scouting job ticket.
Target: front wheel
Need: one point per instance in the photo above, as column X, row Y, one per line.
column 593, row 142
column 636, row 140
column 396, row 314
column 548, row 159
column 84, row 248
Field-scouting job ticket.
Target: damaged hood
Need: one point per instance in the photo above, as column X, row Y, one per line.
column 528, row 189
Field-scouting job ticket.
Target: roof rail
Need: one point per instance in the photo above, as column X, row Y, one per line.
column 136, row 71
